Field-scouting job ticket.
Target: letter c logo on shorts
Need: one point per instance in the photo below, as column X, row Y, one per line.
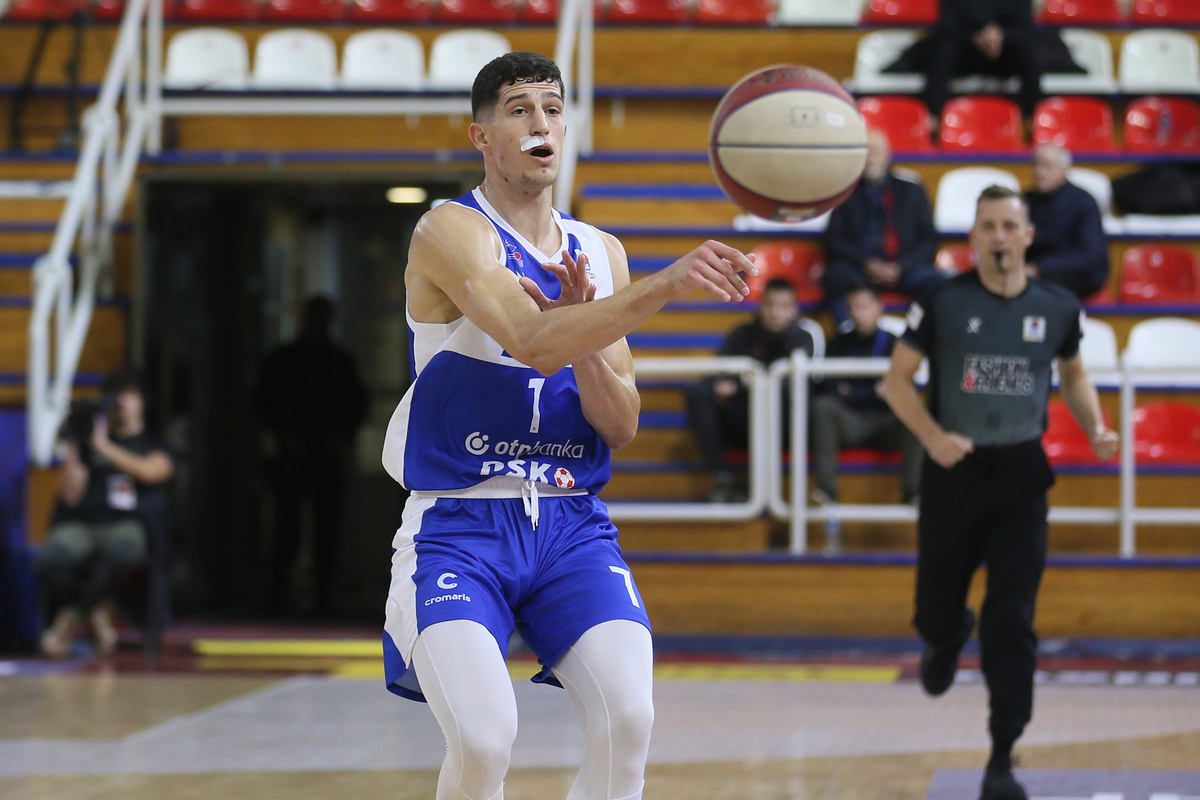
column 442, row 582
column 476, row 444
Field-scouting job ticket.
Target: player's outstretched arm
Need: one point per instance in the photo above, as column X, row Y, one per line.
column 456, row 251
column 1081, row 397
column 947, row 449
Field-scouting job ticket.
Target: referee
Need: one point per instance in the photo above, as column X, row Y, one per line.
column 990, row 336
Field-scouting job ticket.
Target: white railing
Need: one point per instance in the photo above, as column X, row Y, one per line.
column 127, row 119
column 114, row 133
column 766, row 485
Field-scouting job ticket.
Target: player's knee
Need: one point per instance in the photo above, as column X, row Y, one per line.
column 630, row 721
column 486, row 750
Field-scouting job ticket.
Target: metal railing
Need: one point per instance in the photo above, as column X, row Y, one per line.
column 115, row 130
column 127, row 120
column 766, row 461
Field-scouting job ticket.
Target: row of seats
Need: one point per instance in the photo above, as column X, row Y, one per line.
column 761, row 12
column 1165, row 432
column 301, row 59
column 1149, row 273
column 993, row 125
column 1156, row 60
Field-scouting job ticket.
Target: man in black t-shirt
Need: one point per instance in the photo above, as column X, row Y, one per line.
column 991, row 336
column 849, row 412
column 718, row 408
column 112, row 477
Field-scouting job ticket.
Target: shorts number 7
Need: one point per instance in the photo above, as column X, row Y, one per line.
column 536, row 384
column 628, row 584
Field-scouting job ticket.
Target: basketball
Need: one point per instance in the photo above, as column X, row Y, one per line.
column 787, row 143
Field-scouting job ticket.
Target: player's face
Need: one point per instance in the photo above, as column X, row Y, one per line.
column 1001, row 234
column 129, row 409
column 777, row 310
column 524, row 113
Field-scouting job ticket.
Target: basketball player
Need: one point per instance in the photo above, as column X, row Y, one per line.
column 990, row 335
column 523, row 384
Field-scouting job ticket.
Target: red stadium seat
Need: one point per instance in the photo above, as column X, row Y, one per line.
column 1081, row 124
column 1158, row 274
column 1167, row 432
column 734, row 12
column 303, row 10
column 1165, row 12
column 1064, row 440
column 214, row 10
column 382, row 11
column 1081, row 12
column 905, row 120
column 108, row 10
column 476, row 12
column 539, row 11
column 37, row 10
column 1162, row 123
column 666, row 12
column 956, row 258
column 981, row 124
column 799, row 262
column 901, row 12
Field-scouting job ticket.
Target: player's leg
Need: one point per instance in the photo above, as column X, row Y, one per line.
column 948, row 553
column 609, row 675
column 467, row 685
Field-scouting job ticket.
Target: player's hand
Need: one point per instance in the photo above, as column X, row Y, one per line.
column 577, row 286
column 715, row 268
column 725, row 388
column 1105, row 443
column 989, row 40
column 885, row 273
column 100, row 432
column 949, row 449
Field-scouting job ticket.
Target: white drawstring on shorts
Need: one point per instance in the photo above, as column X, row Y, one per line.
column 529, row 497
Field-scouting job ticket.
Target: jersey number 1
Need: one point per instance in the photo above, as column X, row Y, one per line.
column 536, row 384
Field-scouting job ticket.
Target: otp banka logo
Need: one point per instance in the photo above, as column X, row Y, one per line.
column 477, row 444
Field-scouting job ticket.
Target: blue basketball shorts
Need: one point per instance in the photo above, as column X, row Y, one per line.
column 482, row 560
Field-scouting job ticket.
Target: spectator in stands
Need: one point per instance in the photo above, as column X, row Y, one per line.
column 993, row 37
column 882, row 236
column 113, row 473
column 850, row 413
column 312, row 402
column 718, row 408
column 1069, row 246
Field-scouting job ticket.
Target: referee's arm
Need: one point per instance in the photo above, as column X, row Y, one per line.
column 1079, row 393
column 947, row 449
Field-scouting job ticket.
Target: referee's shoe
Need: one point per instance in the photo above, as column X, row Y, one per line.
column 940, row 664
column 999, row 784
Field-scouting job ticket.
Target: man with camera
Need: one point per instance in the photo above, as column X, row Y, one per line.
column 112, row 477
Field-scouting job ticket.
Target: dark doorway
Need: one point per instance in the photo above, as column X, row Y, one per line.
column 226, row 269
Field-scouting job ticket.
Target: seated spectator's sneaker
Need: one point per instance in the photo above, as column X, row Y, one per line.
column 58, row 639
column 999, row 784
column 103, row 629
column 939, row 665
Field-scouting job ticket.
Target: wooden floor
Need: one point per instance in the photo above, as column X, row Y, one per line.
column 751, row 733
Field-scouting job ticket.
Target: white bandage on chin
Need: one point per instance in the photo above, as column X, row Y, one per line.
column 530, row 142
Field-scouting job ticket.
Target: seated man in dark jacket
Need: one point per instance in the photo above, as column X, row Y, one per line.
column 718, row 408
column 850, row 413
column 1069, row 246
column 882, row 236
column 986, row 36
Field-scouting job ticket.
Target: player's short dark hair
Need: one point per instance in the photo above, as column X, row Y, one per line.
column 779, row 285
column 866, row 287
column 125, row 380
column 997, row 192
column 510, row 68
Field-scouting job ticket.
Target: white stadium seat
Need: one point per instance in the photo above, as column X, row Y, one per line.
column 1099, row 186
column 954, row 208
column 1166, row 342
column 207, row 58
column 383, row 59
column 295, row 58
column 819, row 12
column 877, row 51
column 1099, row 345
column 456, row 57
column 1092, row 51
column 1160, row 61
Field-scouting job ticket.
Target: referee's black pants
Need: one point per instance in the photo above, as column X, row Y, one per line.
column 989, row 508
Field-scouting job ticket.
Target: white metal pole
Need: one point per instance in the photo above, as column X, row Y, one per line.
column 587, row 68
column 154, row 60
column 799, row 475
column 1128, row 464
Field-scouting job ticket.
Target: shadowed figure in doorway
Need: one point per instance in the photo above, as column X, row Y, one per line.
column 312, row 402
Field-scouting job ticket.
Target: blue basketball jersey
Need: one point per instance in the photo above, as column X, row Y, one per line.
column 474, row 412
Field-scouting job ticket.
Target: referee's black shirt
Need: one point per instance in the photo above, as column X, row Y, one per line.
column 990, row 356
